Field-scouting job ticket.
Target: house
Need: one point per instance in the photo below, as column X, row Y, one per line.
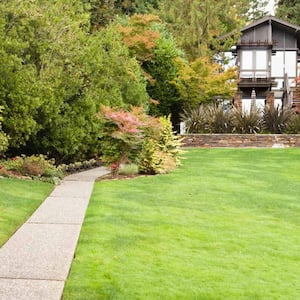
column 267, row 55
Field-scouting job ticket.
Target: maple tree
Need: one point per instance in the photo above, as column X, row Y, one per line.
column 204, row 81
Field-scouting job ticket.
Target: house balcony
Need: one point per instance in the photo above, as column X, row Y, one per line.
column 267, row 82
column 253, row 79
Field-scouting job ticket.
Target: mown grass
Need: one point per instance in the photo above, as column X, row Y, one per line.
column 18, row 200
column 226, row 225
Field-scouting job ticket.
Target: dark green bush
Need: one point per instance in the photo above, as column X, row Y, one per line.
column 276, row 119
column 247, row 122
column 293, row 124
column 195, row 119
column 218, row 119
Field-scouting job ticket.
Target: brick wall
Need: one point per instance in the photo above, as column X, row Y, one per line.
column 241, row 140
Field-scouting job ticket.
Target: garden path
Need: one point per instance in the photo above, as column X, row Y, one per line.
column 35, row 261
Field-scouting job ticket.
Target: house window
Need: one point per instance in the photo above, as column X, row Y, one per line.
column 284, row 62
column 254, row 63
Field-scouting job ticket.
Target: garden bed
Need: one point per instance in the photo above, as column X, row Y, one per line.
column 241, row 140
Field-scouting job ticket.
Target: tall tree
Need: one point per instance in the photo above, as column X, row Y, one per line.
column 256, row 9
column 197, row 24
column 55, row 75
column 105, row 11
column 289, row 10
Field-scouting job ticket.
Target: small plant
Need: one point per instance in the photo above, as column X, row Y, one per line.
column 121, row 137
column 219, row 119
column 195, row 119
column 161, row 148
column 34, row 166
column 247, row 122
column 129, row 169
column 293, row 124
column 276, row 119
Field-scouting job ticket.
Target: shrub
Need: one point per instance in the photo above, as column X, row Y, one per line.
column 121, row 137
column 210, row 118
column 134, row 137
column 219, row 120
column 161, row 148
column 3, row 137
column 129, row 169
column 293, row 124
column 194, row 119
column 35, row 166
column 276, row 118
column 247, row 122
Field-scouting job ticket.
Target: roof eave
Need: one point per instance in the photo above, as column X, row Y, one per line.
column 272, row 19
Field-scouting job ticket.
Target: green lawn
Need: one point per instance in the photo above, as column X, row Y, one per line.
column 18, row 200
column 226, row 225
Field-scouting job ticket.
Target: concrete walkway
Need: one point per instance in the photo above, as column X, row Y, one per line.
column 35, row 262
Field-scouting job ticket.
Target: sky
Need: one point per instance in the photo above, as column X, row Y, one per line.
column 270, row 7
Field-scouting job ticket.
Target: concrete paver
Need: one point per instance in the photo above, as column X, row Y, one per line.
column 39, row 251
column 23, row 289
column 35, row 261
column 57, row 210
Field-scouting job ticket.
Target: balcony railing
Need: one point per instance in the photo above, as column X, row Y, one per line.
column 257, row 82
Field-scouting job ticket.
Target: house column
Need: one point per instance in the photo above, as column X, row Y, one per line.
column 237, row 101
column 270, row 99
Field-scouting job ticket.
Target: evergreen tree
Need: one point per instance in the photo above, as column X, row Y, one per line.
column 289, row 10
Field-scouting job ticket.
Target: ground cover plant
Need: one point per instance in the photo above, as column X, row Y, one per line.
column 18, row 200
column 225, row 225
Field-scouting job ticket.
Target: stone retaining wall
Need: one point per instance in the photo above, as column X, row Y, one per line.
column 241, row 140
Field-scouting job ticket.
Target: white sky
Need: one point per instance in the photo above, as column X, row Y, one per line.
column 270, row 7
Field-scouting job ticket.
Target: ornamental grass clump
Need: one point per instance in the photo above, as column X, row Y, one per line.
column 247, row 122
column 276, row 119
column 293, row 124
column 195, row 119
column 219, row 120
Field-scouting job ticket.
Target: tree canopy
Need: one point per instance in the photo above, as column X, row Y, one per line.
column 289, row 10
column 60, row 60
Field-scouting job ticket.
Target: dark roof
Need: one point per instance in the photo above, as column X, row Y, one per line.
column 273, row 20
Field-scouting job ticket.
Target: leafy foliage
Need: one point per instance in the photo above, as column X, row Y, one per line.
column 204, row 81
column 3, row 137
column 209, row 118
column 247, row 122
column 102, row 12
column 55, row 75
column 293, row 124
column 134, row 137
column 161, row 148
column 276, row 119
column 219, row 120
column 196, row 24
column 37, row 166
column 195, row 119
column 121, row 137
column 288, row 10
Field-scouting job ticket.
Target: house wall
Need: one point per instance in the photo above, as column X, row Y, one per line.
column 279, row 43
column 256, row 34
